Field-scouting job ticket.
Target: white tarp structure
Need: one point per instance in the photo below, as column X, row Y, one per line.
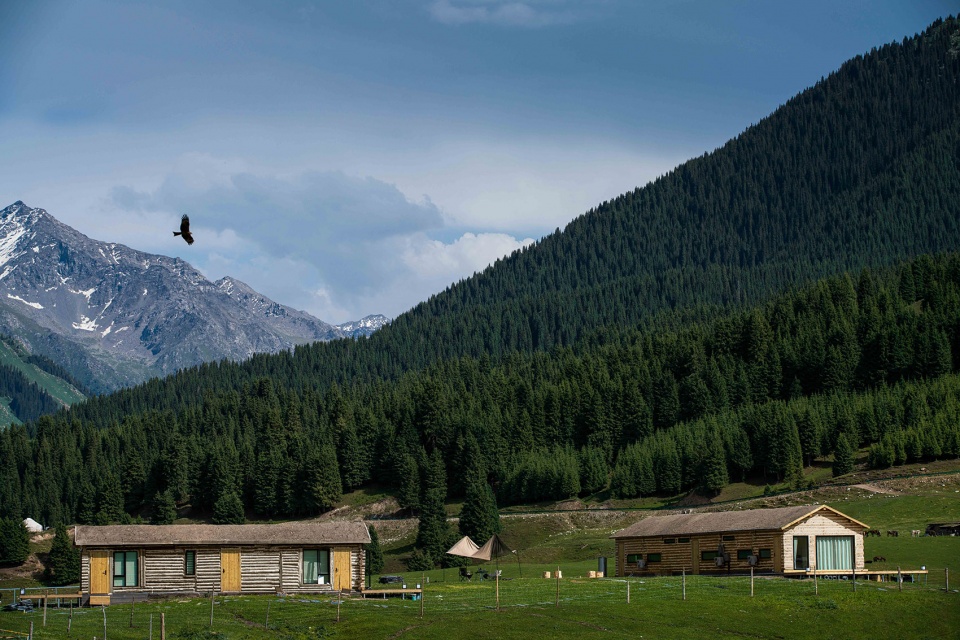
column 465, row 547
column 32, row 525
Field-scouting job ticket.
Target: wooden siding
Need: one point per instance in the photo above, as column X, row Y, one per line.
column 823, row 523
column 681, row 556
column 263, row 569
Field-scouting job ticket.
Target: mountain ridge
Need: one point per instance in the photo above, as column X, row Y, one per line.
column 134, row 315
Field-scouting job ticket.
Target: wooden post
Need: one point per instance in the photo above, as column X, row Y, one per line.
column 104, row 610
column 70, row 619
column 899, row 579
column 163, row 626
column 946, row 577
column 628, row 593
column 212, row 594
column 854, row 578
column 31, row 630
column 133, row 605
column 423, row 587
column 150, row 636
column 751, row 581
column 558, row 585
column 684, row 582
column 266, row 625
column 816, row 585
column 498, row 589
column 47, row 594
column 339, row 598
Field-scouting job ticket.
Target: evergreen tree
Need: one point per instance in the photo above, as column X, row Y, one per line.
column 843, row 456
column 63, row 565
column 374, row 564
column 164, row 508
column 479, row 517
column 432, row 529
column 14, row 542
column 714, row 475
column 228, row 509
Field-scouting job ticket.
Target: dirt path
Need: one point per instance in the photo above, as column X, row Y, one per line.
column 877, row 489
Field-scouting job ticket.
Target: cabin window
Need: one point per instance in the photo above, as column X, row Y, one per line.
column 125, row 569
column 316, row 566
column 708, row 556
column 801, row 553
column 744, row 554
column 190, row 563
column 766, row 554
column 634, row 558
column 835, row 553
column 683, row 540
column 653, row 557
column 729, row 538
column 669, row 541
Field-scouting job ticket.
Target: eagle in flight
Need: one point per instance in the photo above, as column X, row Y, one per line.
column 185, row 229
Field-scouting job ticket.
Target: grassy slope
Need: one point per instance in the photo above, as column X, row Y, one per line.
column 56, row 387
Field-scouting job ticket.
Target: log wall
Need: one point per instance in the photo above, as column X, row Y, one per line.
column 680, row 556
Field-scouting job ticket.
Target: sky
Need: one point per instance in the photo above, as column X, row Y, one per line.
column 353, row 158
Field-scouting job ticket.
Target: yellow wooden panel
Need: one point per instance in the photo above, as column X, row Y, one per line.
column 99, row 572
column 230, row 570
column 96, row 601
column 341, row 570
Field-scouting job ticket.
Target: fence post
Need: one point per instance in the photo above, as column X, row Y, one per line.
column 628, row 592
column 339, row 598
column 133, row 605
column 163, row 626
column 266, row 625
column 899, row 579
column 423, row 588
column 212, row 594
column 946, row 577
column 31, row 630
column 104, row 610
column 70, row 619
column 683, row 579
column 150, row 636
column 46, row 597
column 854, row 577
column 816, row 584
column 751, row 581
column 558, row 585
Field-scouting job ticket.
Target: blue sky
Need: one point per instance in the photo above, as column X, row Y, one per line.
column 350, row 158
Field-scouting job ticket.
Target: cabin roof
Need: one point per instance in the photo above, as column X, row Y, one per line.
column 287, row 533
column 725, row 521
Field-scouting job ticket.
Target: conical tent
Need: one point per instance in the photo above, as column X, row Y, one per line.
column 465, row 547
column 494, row 548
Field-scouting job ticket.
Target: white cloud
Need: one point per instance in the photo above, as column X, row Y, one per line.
column 499, row 13
column 337, row 246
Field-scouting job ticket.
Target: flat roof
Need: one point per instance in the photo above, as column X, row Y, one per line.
column 725, row 521
column 287, row 533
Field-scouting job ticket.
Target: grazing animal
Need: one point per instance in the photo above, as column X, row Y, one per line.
column 873, row 532
column 185, row 229
column 893, row 533
column 915, row 533
column 879, row 559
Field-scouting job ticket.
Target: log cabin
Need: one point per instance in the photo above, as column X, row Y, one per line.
column 786, row 541
column 131, row 562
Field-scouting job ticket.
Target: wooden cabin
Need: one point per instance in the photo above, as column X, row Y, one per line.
column 786, row 540
column 129, row 562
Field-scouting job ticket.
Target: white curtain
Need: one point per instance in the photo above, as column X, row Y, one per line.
column 835, row 553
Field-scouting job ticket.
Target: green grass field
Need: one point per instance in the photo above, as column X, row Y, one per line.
column 715, row 607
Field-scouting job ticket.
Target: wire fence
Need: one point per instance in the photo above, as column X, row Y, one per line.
column 303, row 614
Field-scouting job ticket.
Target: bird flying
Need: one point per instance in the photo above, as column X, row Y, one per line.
column 185, row 229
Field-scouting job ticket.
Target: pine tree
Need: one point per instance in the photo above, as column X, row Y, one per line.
column 63, row 565
column 164, row 508
column 374, row 564
column 714, row 475
column 228, row 509
column 479, row 517
column 432, row 529
column 843, row 456
column 14, row 542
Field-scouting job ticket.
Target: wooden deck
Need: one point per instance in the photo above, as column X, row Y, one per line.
column 383, row 593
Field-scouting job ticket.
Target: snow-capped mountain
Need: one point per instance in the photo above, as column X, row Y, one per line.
column 363, row 327
column 115, row 316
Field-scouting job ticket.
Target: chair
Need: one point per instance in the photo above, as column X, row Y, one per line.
column 464, row 574
column 482, row 574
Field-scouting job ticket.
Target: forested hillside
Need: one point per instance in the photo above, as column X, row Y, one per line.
column 862, row 169
column 652, row 338
column 870, row 359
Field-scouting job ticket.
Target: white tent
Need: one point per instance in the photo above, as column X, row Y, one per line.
column 32, row 525
column 465, row 547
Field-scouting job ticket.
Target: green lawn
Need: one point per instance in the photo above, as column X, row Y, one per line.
column 714, row 607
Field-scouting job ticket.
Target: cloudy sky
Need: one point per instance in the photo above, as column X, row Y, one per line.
column 350, row 158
